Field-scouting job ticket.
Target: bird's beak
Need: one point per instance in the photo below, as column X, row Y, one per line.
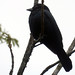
column 29, row 9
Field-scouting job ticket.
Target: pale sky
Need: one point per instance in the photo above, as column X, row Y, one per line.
column 14, row 20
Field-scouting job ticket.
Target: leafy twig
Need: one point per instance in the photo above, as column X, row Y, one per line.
column 5, row 37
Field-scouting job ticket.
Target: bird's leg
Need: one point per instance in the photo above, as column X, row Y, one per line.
column 38, row 40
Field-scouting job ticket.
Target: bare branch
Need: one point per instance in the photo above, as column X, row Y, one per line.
column 52, row 65
column 12, row 57
column 58, row 68
column 36, row 2
column 49, row 67
column 42, row 18
column 30, row 47
column 26, row 55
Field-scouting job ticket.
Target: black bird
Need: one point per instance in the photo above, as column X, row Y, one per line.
column 52, row 36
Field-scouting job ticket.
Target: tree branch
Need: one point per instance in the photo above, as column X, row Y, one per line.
column 26, row 55
column 69, row 52
column 52, row 65
column 5, row 37
column 42, row 18
column 58, row 68
column 36, row 2
column 49, row 67
column 28, row 52
column 32, row 43
column 12, row 57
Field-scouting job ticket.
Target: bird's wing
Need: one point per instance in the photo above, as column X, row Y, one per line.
column 51, row 25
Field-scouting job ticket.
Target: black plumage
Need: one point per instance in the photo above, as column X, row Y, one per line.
column 52, row 36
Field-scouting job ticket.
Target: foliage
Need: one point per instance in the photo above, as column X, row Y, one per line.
column 5, row 37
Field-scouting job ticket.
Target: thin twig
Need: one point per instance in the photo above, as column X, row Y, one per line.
column 52, row 65
column 36, row 2
column 12, row 57
column 71, row 52
column 42, row 18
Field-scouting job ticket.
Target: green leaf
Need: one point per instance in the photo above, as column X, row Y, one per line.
column 5, row 37
column 15, row 42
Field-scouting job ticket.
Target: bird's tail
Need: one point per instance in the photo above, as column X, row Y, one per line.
column 65, row 60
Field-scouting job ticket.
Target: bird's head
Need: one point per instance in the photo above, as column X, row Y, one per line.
column 37, row 7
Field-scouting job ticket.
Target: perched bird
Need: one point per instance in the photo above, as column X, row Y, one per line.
column 52, row 38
